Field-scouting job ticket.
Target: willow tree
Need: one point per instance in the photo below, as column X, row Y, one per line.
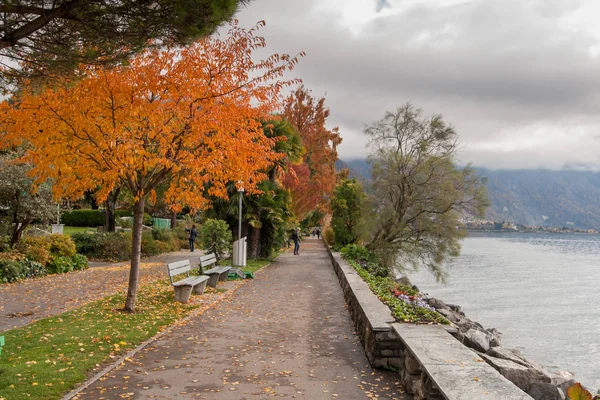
column 188, row 116
column 419, row 194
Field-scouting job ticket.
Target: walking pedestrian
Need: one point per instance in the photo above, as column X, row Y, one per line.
column 192, row 236
column 296, row 238
column 318, row 233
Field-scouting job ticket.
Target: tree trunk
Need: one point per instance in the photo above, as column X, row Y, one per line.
column 254, row 243
column 136, row 251
column 173, row 219
column 18, row 232
column 109, row 214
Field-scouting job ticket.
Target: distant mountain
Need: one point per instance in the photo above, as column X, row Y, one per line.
column 359, row 169
column 533, row 197
column 544, row 197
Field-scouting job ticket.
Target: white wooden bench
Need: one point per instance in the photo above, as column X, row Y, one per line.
column 189, row 284
column 216, row 274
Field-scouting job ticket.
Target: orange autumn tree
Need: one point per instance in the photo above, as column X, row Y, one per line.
column 312, row 181
column 189, row 117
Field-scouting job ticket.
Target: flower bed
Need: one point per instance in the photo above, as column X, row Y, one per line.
column 406, row 303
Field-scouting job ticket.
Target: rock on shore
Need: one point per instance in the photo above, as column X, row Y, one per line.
column 532, row 378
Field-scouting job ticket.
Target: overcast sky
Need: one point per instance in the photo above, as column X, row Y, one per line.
column 518, row 79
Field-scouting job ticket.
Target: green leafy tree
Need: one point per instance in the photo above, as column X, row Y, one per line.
column 346, row 207
column 21, row 202
column 215, row 237
column 48, row 37
column 419, row 194
column 266, row 215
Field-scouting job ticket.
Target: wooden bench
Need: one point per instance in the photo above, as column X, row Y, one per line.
column 188, row 285
column 216, row 273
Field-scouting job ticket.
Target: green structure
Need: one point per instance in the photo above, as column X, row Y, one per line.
column 161, row 223
column 1, row 343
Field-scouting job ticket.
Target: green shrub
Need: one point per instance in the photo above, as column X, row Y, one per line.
column 215, row 237
column 80, row 262
column 34, row 268
column 150, row 246
column 83, row 218
column 60, row 265
column 164, row 235
column 182, row 236
column 11, row 271
column 147, row 219
column 110, row 246
column 16, row 270
column 123, row 213
column 55, row 245
column 365, row 258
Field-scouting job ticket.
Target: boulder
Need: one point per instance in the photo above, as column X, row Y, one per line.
column 477, row 340
column 563, row 380
column 506, row 354
column 545, row 391
column 518, row 374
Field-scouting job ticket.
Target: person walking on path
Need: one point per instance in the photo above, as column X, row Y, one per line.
column 296, row 238
column 318, row 233
column 193, row 233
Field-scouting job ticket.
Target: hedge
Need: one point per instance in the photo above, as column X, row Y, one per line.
column 89, row 217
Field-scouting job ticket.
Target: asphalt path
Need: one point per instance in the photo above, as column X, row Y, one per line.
column 285, row 334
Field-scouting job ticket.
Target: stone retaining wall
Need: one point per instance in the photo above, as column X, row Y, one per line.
column 383, row 347
column 371, row 317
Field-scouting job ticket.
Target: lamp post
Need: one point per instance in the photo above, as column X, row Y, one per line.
column 241, row 192
column 239, row 259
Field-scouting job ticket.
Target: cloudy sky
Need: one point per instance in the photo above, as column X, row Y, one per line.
column 519, row 79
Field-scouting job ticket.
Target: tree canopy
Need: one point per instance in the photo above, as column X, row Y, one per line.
column 190, row 115
column 312, row 181
column 56, row 36
column 419, row 194
column 23, row 205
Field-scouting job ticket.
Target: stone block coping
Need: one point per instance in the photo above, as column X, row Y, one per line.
column 458, row 372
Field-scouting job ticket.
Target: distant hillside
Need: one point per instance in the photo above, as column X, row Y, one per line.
column 359, row 169
column 544, row 198
column 534, row 197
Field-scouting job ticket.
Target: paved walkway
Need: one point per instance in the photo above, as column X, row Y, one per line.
column 33, row 299
column 285, row 334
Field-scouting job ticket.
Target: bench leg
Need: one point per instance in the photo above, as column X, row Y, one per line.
column 182, row 293
column 199, row 288
column 223, row 276
column 212, row 281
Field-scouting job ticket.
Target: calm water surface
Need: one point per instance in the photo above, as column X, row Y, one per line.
column 542, row 291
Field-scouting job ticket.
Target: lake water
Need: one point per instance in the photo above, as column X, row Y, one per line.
column 542, row 291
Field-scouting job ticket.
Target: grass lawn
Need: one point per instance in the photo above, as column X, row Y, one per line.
column 46, row 359
column 69, row 230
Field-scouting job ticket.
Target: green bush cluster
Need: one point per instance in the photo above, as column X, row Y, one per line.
column 365, row 258
column 16, row 270
column 384, row 287
column 159, row 241
column 109, row 246
column 95, row 217
column 116, row 246
column 39, row 256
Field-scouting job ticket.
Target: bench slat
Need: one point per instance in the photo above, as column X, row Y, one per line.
column 192, row 280
column 208, row 259
column 179, row 264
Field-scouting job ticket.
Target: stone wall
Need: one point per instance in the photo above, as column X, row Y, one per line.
column 371, row 317
column 373, row 321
